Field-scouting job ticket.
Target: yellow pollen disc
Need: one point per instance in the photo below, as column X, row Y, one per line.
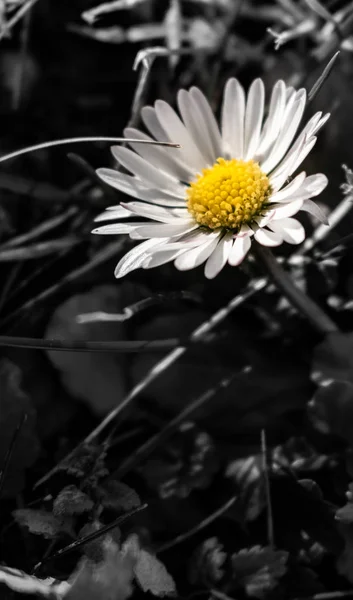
column 229, row 194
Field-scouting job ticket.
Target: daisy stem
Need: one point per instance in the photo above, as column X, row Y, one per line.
column 305, row 305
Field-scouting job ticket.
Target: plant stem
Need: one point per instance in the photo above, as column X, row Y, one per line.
column 305, row 305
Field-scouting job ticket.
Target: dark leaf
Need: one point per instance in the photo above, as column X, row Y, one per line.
column 150, row 573
column 118, row 496
column 331, row 409
column 345, row 513
column 258, row 569
column 247, row 475
column 71, row 501
column 86, row 463
column 14, row 404
column 192, row 464
column 41, row 522
column 207, row 562
column 298, row 455
column 96, row 379
column 333, row 358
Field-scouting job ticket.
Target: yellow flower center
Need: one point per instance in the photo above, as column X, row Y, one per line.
column 229, row 194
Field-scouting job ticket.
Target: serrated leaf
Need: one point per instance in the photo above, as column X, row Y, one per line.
column 118, row 496
column 258, row 569
column 86, row 463
column 19, row 581
column 71, row 501
column 150, row 573
column 109, row 580
column 41, row 522
column 207, row 562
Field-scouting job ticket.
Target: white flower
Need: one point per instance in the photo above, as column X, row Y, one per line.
column 206, row 201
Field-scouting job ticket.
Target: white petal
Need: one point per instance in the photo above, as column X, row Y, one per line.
column 148, row 174
column 312, row 208
column 268, row 238
column 160, row 258
column 116, row 228
column 239, row 250
column 302, row 146
column 291, row 161
column 135, row 258
column 286, row 136
column 150, row 119
column 178, row 133
column 162, row 158
column 219, row 256
column 157, row 230
column 149, row 211
column 196, row 256
column 135, row 188
column 287, row 210
column 289, row 189
column 114, row 212
column 253, row 117
column 233, row 112
column 315, row 184
column 209, row 120
column 188, row 240
column 290, row 229
column 273, row 122
column 196, row 125
column 302, row 155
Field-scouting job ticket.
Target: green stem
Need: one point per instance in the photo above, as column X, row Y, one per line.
column 305, row 305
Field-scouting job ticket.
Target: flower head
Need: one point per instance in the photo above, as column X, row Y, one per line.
column 224, row 187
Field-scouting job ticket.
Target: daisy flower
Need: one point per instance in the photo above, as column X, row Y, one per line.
column 225, row 187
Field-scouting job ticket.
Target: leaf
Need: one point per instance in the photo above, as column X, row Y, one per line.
column 258, row 569
column 333, row 358
column 71, row 501
column 19, row 581
column 96, row 379
column 109, row 580
column 14, row 404
column 345, row 513
column 150, row 573
column 298, row 455
column 192, row 464
column 206, row 563
column 118, row 496
column 331, row 409
column 41, row 522
column 87, row 463
column 247, row 475
column 345, row 560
